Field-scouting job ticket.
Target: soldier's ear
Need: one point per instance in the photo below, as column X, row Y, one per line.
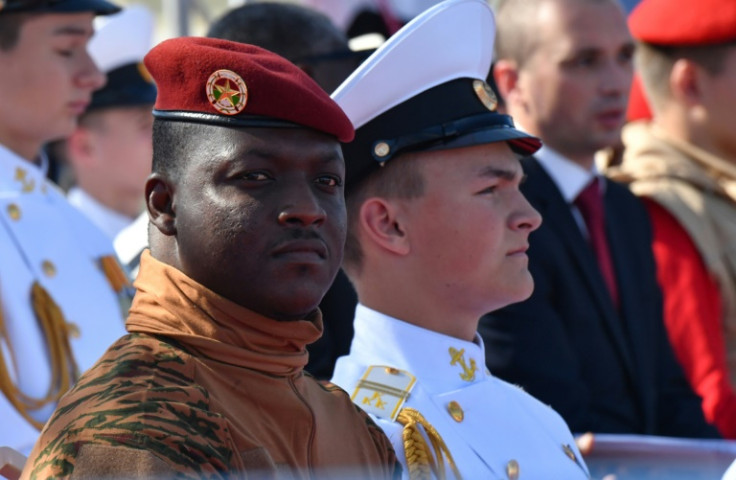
column 160, row 203
column 381, row 224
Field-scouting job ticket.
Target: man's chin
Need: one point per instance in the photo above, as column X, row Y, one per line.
column 294, row 315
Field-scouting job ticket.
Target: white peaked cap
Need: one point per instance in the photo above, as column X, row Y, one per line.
column 122, row 39
column 453, row 39
column 425, row 89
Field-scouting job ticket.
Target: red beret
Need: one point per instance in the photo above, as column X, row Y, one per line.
column 207, row 80
column 638, row 108
column 684, row 22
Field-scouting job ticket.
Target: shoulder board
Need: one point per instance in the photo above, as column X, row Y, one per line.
column 383, row 390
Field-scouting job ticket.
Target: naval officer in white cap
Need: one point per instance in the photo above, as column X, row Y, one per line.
column 437, row 236
column 61, row 288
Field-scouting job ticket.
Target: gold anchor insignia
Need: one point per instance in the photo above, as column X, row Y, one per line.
column 458, row 357
column 377, row 398
column 20, row 176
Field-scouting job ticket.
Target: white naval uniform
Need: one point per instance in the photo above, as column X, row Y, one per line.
column 108, row 220
column 44, row 239
column 501, row 423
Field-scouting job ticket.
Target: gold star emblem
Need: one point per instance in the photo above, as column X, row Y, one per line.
column 227, row 92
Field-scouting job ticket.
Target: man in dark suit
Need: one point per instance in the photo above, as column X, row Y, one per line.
column 591, row 340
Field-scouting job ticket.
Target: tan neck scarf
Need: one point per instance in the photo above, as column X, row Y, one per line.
column 169, row 303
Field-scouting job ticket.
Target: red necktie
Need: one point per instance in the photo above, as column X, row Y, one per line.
column 590, row 204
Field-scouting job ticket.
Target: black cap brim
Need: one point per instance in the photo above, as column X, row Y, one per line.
column 99, row 7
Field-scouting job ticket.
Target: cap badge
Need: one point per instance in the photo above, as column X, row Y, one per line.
column 227, row 92
column 485, row 95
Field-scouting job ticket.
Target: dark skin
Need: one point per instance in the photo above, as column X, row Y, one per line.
column 257, row 215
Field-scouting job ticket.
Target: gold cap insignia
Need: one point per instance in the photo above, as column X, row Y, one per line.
column 485, row 95
column 227, row 92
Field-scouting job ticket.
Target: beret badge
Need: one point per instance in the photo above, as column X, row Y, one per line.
column 227, row 92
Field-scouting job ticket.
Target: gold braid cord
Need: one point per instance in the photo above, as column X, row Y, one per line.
column 420, row 460
column 114, row 273
column 63, row 367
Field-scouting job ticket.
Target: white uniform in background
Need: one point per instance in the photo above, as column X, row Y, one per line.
column 46, row 241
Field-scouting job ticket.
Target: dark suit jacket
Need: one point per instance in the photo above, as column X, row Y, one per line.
column 602, row 369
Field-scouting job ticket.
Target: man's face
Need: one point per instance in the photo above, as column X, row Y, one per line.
column 718, row 98
column 469, row 231
column 47, row 80
column 260, row 217
column 575, row 85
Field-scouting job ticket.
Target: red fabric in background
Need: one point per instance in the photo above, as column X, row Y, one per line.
column 692, row 313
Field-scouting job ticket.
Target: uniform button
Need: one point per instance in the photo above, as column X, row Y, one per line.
column 392, row 371
column 73, row 330
column 569, row 452
column 512, row 469
column 48, row 268
column 456, row 411
column 14, row 211
column 382, row 149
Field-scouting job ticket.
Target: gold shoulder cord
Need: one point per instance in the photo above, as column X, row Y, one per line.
column 114, row 273
column 119, row 282
column 64, row 369
column 419, row 459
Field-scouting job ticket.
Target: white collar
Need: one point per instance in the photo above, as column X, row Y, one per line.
column 383, row 340
column 105, row 218
column 19, row 175
column 569, row 177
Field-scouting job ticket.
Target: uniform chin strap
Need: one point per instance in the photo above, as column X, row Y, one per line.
column 64, row 369
column 422, row 462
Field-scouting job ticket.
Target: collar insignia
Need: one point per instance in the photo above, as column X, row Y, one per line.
column 458, row 358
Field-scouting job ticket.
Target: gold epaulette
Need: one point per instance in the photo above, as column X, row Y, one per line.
column 383, row 390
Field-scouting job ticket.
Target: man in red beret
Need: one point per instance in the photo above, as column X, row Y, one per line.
column 247, row 228
column 683, row 164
